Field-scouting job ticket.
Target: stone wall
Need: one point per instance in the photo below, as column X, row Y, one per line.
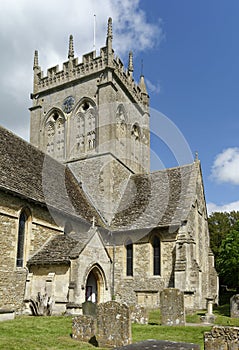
column 40, row 228
column 144, row 287
column 226, row 338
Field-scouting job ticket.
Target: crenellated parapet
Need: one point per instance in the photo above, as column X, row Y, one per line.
column 73, row 71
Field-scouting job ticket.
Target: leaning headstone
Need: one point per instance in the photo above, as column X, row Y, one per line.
column 234, row 306
column 139, row 314
column 222, row 338
column 89, row 308
column 113, row 324
column 172, row 307
column 83, row 328
column 160, row 345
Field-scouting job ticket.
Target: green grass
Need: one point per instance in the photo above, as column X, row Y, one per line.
column 54, row 333
column 38, row 333
column 222, row 314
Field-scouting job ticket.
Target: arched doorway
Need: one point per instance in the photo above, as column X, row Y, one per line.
column 91, row 288
column 94, row 286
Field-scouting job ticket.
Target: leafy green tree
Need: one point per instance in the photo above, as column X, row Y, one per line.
column 228, row 258
column 220, row 224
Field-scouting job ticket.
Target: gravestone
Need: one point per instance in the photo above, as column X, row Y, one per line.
column 234, row 306
column 83, row 328
column 160, row 345
column 89, row 309
column 172, row 307
column 139, row 314
column 222, row 338
column 113, row 324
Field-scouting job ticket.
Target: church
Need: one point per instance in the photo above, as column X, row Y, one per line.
column 82, row 218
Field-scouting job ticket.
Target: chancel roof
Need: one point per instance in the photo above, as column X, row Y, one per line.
column 161, row 198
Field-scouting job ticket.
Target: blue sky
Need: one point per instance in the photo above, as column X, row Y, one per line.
column 197, row 67
column 190, row 53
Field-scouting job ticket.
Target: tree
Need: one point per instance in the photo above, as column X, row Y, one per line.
column 220, row 224
column 228, row 258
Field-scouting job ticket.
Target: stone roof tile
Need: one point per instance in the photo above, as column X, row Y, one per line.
column 28, row 172
column 161, row 198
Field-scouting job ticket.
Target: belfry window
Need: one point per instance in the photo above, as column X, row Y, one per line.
column 129, row 258
column 156, row 256
column 21, row 239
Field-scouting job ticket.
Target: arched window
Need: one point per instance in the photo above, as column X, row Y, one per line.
column 55, row 134
column 21, row 238
column 129, row 258
column 156, row 256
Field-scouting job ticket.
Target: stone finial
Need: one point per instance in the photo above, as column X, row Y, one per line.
column 109, row 30
column 109, row 41
column 142, row 85
column 196, row 156
column 36, row 62
column 71, row 47
column 130, row 64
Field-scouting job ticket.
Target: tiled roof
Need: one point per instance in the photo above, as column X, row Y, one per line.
column 28, row 172
column 61, row 248
column 162, row 198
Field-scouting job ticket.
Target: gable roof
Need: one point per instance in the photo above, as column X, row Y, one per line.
column 161, row 198
column 31, row 174
column 60, row 249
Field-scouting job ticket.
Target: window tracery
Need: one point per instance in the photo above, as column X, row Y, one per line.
column 55, row 135
column 86, row 128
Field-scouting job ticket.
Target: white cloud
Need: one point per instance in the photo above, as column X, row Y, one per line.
column 154, row 88
column 226, row 166
column 212, row 207
column 46, row 25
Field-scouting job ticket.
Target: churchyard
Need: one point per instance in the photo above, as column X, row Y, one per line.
column 53, row 333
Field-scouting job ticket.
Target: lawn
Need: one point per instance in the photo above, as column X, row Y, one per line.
column 54, row 333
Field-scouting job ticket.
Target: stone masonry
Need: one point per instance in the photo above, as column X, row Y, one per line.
column 222, row 338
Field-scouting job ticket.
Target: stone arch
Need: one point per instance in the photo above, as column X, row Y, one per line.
column 95, row 274
column 83, row 128
column 54, row 133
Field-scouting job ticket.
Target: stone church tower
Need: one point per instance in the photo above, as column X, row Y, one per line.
column 91, row 109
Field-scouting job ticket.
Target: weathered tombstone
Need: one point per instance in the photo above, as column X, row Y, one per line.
column 222, row 338
column 160, row 345
column 113, row 324
column 84, row 328
column 234, row 306
column 172, row 307
column 89, row 308
column 139, row 314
